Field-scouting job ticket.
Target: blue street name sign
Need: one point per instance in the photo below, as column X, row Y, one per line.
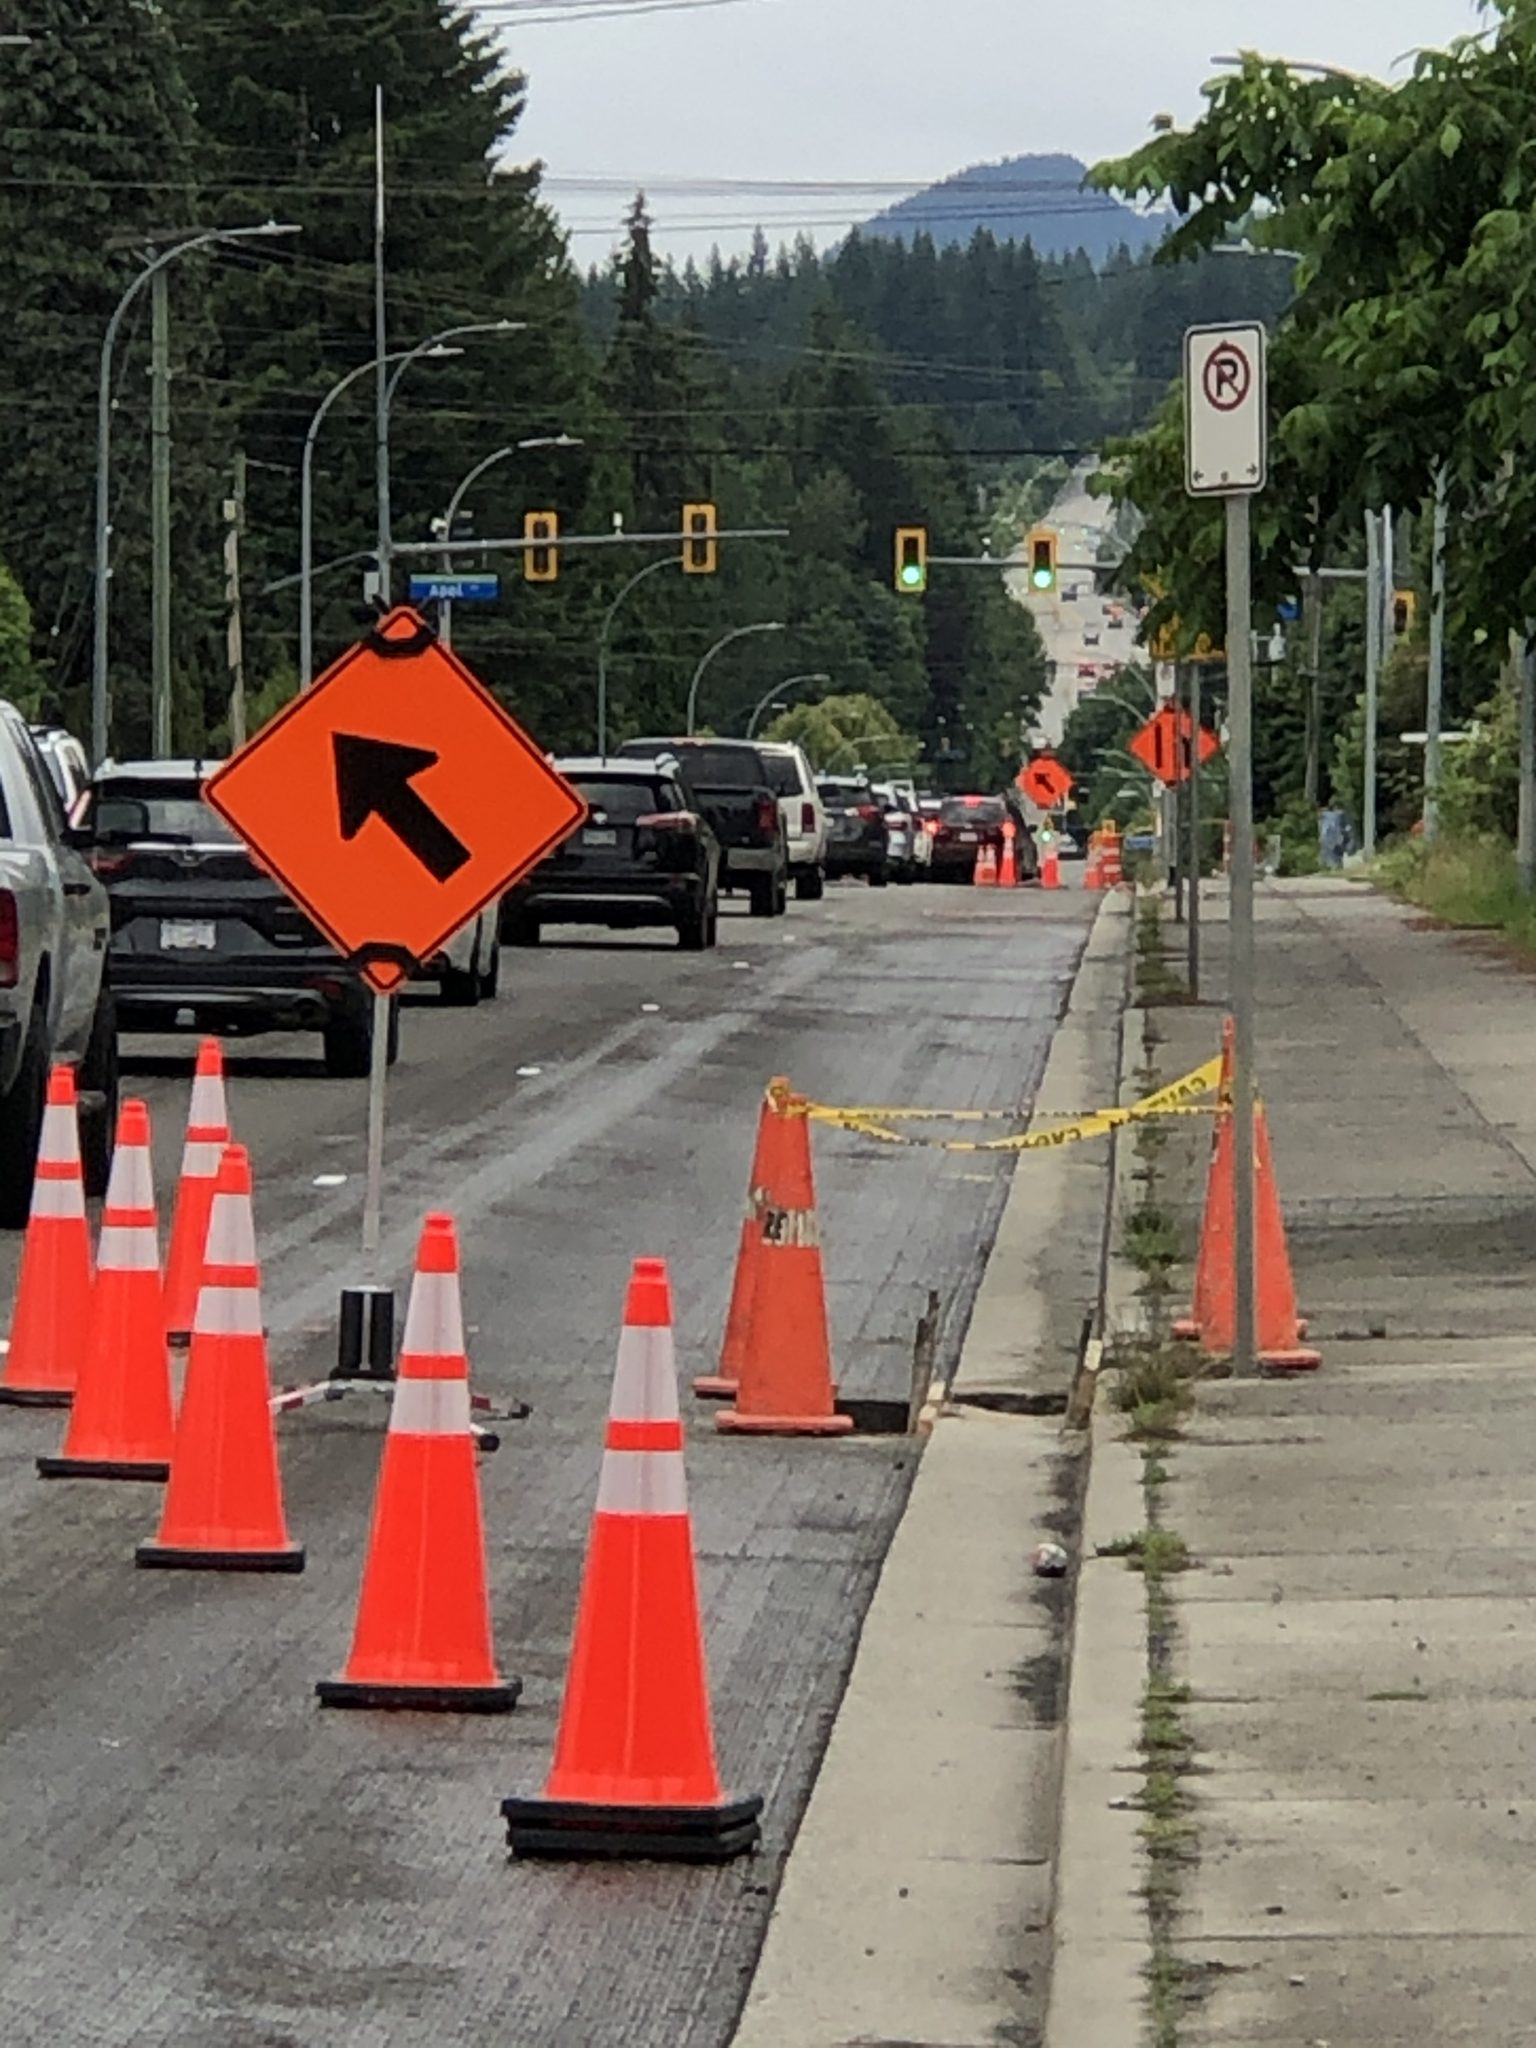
column 1289, row 610
column 456, row 589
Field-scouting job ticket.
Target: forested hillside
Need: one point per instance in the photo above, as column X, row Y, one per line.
column 839, row 395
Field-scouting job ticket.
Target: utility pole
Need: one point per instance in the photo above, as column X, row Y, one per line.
column 1372, row 682
column 1240, row 765
column 234, row 514
column 380, row 420
column 1173, row 798
column 1525, row 845
column 1436, row 693
column 1312, row 784
column 160, row 517
column 1194, row 832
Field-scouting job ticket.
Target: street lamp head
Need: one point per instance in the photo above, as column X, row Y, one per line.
column 438, row 350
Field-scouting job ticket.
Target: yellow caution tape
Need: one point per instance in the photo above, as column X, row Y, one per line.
column 1178, row 1098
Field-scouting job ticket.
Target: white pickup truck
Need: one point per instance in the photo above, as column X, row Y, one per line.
column 55, row 1003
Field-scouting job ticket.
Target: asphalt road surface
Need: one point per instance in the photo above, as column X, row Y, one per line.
column 193, row 1853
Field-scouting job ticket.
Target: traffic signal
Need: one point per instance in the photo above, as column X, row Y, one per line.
column 1042, row 559
column 701, row 551
column 541, row 562
column 912, row 559
column 1404, row 605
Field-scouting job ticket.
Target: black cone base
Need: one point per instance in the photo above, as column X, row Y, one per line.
column 36, row 1397
column 101, row 1468
column 171, row 1559
column 666, row 1834
column 421, row 1699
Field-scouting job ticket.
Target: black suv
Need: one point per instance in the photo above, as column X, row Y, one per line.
column 645, row 856
column 201, row 937
column 857, row 843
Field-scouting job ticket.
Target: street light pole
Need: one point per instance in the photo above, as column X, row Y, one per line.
column 1373, row 609
column 778, row 690
column 604, row 631
column 740, row 633
column 307, row 516
column 101, row 709
column 466, row 483
column 1435, row 696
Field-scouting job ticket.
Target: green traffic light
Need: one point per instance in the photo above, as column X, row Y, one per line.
column 911, row 574
column 1042, row 579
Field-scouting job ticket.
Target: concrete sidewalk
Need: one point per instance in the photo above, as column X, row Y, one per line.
column 1356, row 1627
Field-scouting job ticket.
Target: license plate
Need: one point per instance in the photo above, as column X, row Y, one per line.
column 968, row 838
column 595, row 835
column 183, row 934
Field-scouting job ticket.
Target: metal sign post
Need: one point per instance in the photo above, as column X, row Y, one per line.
column 1226, row 448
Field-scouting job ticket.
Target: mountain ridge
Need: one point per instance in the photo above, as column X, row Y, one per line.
column 1039, row 199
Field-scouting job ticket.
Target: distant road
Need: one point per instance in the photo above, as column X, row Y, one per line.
column 1082, row 522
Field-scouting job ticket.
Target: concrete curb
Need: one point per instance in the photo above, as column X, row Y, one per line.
column 1102, row 1941
column 916, row 1902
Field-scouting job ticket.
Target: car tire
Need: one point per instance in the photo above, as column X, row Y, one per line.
column 781, row 894
column 712, row 924
column 21, row 1124
column 878, row 877
column 460, row 987
column 810, row 886
column 693, row 929
column 99, row 1076
column 519, row 929
column 903, row 877
column 348, row 1040
column 762, row 893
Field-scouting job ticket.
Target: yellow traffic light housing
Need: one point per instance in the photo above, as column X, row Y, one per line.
column 1040, row 551
column 912, row 560
column 541, row 560
column 1404, row 605
column 701, row 551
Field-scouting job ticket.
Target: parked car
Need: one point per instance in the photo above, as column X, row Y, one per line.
column 55, row 999
column 805, row 819
column 469, row 966
column 856, row 837
column 968, row 823
column 647, row 855
column 729, row 783
column 68, row 767
column 908, row 848
column 202, row 939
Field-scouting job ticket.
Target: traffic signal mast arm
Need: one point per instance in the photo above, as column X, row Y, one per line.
column 514, row 544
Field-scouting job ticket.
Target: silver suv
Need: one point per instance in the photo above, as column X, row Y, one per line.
column 55, row 1003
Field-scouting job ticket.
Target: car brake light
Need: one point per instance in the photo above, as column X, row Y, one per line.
column 807, row 817
column 103, row 863
column 932, row 827
column 667, row 821
column 866, row 810
column 10, row 940
column 768, row 814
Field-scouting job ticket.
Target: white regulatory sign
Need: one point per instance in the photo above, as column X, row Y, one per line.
column 1226, row 411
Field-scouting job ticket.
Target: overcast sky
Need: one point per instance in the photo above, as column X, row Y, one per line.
column 889, row 91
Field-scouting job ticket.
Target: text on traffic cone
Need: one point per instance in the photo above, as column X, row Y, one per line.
column 634, row 1770
column 423, row 1634
column 224, row 1503
column 51, row 1322
column 120, row 1426
column 722, row 1385
column 207, row 1135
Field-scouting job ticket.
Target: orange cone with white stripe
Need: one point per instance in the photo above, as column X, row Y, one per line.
column 721, row 1386
column 634, row 1772
column 120, row 1426
column 1008, row 873
column 207, row 1135
column 224, row 1504
column 984, row 874
column 785, row 1386
column 423, row 1635
column 51, row 1324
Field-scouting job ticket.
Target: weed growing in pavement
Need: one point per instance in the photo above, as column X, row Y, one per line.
column 1150, row 1236
column 1157, row 1552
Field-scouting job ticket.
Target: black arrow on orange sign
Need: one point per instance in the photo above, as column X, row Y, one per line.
column 373, row 780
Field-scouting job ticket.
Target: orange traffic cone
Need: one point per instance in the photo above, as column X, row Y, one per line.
column 1111, row 869
column 721, row 1386
column 1093, row 872
column 1278, row 1329
column 224, row 1504
column 1215, row 1251
column 51, row 1324
column 207, row 1135
column 786, row 1367
column 120, row 1426
column 634, row 1771
column 1007, row 873
column 984, row 874
column 423, row 1635
column 1050, row 868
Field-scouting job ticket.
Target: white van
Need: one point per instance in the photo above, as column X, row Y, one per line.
column 804, row 815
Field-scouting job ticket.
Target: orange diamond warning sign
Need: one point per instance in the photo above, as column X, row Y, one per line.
column 395, row 799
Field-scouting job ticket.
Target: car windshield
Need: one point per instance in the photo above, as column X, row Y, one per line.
column 975, row 810
column 844, row 794
column 616, row 802
column 706, row 766
column 781, row 772
column 140, row 811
